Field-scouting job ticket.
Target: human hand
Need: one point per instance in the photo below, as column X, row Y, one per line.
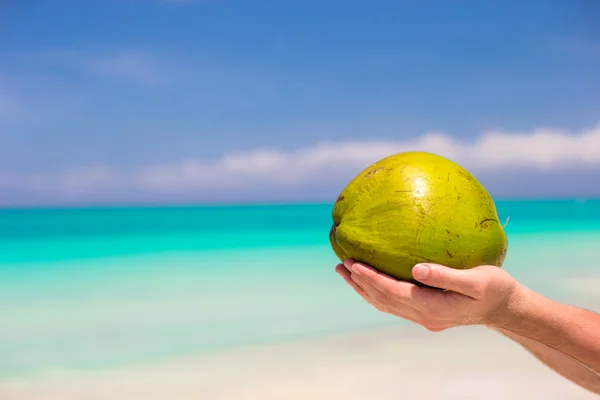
column 481, row 295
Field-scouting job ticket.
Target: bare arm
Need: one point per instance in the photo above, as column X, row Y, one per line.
column 559, row 362
column 488, row 295
column 570, row 330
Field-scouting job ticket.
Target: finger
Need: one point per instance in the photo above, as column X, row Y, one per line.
column 344, row 273
column 428, row 302
column 411, row 303
column 388, row 306
column 387, row 286
column 468, row 282
column 374, row 294
column 341, row 270
column 348, row 265
column 397, row 309
column 399, row 298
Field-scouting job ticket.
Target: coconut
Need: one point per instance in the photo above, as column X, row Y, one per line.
column 417, row 207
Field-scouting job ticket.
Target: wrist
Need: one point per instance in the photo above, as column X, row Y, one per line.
column 520, row 304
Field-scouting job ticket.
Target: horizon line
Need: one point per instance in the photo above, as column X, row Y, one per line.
column 281, row 203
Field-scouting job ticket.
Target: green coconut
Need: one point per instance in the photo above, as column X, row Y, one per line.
column 417, row 207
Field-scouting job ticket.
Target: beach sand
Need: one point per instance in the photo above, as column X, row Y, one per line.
column 391, row 363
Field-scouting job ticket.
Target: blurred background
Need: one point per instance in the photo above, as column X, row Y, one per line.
column 168, row 169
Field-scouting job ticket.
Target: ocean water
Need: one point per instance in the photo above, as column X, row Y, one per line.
column 109, row 287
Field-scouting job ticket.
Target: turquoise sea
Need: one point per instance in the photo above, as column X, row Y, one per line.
column 107, row 287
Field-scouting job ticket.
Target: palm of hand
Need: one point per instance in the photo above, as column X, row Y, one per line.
column 476, row 296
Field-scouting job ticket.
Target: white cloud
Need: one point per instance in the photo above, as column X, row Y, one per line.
column 543, row 149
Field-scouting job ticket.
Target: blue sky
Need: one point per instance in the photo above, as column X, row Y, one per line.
column 168, row 101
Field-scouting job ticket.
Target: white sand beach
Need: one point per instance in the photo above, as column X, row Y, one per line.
column 394, row 363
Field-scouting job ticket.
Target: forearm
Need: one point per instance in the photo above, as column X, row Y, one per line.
column 561, row 363
column 570, row 330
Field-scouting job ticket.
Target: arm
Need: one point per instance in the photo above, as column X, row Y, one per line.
column 569, row 330
column 560, row 363
column 566, row 338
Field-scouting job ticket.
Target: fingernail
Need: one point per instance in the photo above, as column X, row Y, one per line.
column 353, row 267
column 420, row 271
column 348, row 263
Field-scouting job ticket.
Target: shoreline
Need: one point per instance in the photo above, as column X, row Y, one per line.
column 387, row 363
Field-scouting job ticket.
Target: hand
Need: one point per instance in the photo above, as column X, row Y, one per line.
column 480, row 295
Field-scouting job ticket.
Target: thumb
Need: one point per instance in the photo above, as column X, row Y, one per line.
column 463, row 281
